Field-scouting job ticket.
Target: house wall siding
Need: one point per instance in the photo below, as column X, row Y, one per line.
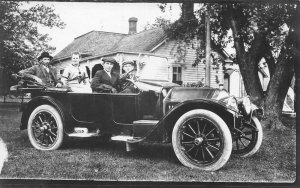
column 190, row 74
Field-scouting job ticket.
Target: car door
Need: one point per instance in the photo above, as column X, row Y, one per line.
column 102, row 110
column 81, row 106
column 124, row 108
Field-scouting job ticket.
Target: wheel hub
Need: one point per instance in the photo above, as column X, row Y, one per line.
column 44, row 126
column 198, row 141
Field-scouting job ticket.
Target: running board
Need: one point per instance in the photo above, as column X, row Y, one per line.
column 83, row 135
column 122, row 138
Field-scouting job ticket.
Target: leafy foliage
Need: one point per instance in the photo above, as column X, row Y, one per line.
column 258, row 30
column 271, row 20
column 20, row 40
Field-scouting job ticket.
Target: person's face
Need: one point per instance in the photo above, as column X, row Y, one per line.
column 108, row 66
column 75, row 59
column 45, row 61
column 128, row 67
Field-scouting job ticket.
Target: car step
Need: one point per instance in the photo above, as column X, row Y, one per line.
column 83, row 135
column 145, row 122
column 83, row 132
column 123, row 138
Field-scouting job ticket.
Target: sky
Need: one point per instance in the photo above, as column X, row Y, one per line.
column 83, row 17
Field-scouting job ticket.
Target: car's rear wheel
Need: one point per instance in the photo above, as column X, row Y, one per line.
column 202, row 140
column 248, row 139
column 45, row 128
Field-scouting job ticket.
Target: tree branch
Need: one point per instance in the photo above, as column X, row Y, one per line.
column 238, row 41
column 270, row 60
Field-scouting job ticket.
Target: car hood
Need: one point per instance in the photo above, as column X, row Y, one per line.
column 159, row 83
column 189, row 93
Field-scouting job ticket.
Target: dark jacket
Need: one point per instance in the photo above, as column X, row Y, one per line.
column 39, row 71
column 103, row 83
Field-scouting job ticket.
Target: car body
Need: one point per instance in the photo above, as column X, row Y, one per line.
column 205, row 125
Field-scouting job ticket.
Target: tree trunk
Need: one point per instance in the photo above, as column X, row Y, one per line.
column 283, row 74
column 277, row 90
column 248, row 62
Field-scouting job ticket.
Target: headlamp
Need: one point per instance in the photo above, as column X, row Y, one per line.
column 246, row 105
column 231, row 102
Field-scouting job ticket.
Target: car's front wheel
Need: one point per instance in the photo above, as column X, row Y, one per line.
column 45, row 128
column 247, row 140
column 202, row 140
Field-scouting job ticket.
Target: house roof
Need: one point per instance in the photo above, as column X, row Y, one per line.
column 93, row 42
column 141, row 42
column 96, row 43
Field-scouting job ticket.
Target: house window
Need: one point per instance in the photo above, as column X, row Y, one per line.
column 177, row 72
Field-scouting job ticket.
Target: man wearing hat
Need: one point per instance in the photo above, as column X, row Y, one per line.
column 130, row 72
column 45, row 74
column 106, row 81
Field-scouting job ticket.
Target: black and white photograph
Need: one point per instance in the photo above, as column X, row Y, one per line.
column 158, row 92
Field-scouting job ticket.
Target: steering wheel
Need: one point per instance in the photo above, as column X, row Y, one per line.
column 128, row 83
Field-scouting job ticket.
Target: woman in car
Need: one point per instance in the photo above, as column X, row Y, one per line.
column 76, row 77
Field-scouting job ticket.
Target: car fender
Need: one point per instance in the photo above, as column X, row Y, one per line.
column 27, row 108
column 170, row 118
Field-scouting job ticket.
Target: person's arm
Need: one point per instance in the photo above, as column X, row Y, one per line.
column 85, row 77
column 98, row 85
column 30, row 70
column 65, row 76
column 124, row 76
column 57, row 78
column 30, row 73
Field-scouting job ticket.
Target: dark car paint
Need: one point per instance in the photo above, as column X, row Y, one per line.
column 115, row 113
column 227, row 114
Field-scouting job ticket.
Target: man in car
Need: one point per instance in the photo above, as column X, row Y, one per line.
column 130, row 72
column 106, row 81
column 43, row 73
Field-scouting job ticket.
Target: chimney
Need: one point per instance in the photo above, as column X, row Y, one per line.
column 132, row 25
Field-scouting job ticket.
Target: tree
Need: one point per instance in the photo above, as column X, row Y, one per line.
column 20, row 40
column 259, row 31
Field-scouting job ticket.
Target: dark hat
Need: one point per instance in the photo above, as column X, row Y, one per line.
column 109, row 59
column 128, row 62
column 45, row 54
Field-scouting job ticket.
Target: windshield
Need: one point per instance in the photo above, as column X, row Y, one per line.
column 153, row 68
column 220, row 94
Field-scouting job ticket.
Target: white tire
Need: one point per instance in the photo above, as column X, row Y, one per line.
column 202, row 140
column 248, row 144
column 45, row 128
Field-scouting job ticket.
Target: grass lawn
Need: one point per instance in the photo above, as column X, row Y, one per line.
column 88, row 160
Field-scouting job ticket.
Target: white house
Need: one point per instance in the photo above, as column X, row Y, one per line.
column 135, row 46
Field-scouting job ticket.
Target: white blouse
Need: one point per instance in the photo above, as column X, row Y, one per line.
column 74, row 75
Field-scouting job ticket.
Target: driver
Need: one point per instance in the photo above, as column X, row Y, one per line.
column 106, row 81
column 130, row 72
column 45, row 73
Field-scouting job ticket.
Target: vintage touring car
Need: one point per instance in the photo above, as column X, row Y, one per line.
column 204, row 125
